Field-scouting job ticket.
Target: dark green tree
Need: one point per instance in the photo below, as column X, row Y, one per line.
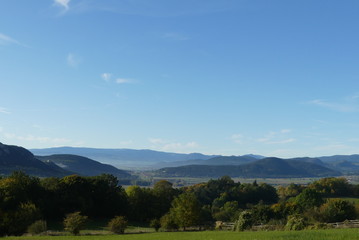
column 74, row 222
column 186, row 210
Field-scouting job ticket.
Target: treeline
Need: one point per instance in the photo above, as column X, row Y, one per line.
column 25, row 199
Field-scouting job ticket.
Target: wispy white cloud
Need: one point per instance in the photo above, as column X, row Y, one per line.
column 106, row 76
column 279, row 137
column 164, row 145
column 175, row 36
column 348, row 104
column 5, row 40
column 73, row 60
column 124, row 80
column 32, row 138
column 126, row 143
column 4, row 110
column 63, row 3
column 156, row 141
column 238, row 138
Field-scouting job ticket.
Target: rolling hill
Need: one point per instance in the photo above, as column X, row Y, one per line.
column 123, row 158
column 83, row 166
column 267, row 167
column 215, row 161
column 14, row 158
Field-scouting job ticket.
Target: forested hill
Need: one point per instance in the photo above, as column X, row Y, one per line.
column 14, row 158
column 267, row 167
column 123, row 158
column 215, row 161
column 83, row 166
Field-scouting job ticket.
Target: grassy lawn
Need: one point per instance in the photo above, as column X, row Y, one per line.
column 332, row 234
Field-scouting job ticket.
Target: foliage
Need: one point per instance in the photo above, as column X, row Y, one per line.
column 309, row 198
column 333, row 187
column 74, row 222
column 229, row 212
column 262, row 213
column 156, row 224
column 16, row 222
column 186, row 210
column 292, row 190
column 244, row 222
column 336, row 210
column 37, row 227
column 168, row 222
column 296, row 222
column 118, row 224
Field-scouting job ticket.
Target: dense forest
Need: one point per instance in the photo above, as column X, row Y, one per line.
column 25, row 199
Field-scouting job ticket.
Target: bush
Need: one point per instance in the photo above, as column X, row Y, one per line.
column 74, row 222
column 295, row 222
column 37, row 227
column 118, row 225
column 168, row 222
column 17, row 222
column 244, row 222
column 337, row 210
column 319, row 225
column 156, row 224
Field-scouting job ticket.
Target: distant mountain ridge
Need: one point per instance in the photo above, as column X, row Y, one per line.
column 15, row 158
column 267, row 167
column 123, row 158
column 215, row 161
column 83, row 166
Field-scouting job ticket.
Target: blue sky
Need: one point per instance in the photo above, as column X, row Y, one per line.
column 232, row 77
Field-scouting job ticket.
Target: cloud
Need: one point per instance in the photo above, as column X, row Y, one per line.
column 349, row 104
column 124, row 80
column 32, row 138
column 279, row 137
column 175, row 36
column 156, row 140
column 73, row 60
column 5, row 40
column 168, row 146
column 4, row 110
column 106, row 76
column 237, row 138
column 126, row 143
column 63, row 3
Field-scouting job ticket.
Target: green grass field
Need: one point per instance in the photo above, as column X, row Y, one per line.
column 331, row 234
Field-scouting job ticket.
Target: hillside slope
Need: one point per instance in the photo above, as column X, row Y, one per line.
column 122, row 158
column 267, row 167
column 14, row 158
column 83, row 166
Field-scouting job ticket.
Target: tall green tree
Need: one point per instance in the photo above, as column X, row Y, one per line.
column 186, row 210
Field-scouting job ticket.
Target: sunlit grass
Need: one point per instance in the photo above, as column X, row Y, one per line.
column 331, row 234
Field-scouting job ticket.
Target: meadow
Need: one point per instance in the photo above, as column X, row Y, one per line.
column 329, row 234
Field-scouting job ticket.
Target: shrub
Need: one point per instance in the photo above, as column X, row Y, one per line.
column 74, row 222
column 168, row 222
column 17, row 222
column 156, row 224
column 37, row 227
column 337, row 210
column 244, row 222
column 118, row 225
column 319, row 225
column 295, row 222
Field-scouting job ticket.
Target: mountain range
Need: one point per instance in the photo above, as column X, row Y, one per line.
column 123, row 158
column 263, row 168
column 63, row 161
column 15, row 158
